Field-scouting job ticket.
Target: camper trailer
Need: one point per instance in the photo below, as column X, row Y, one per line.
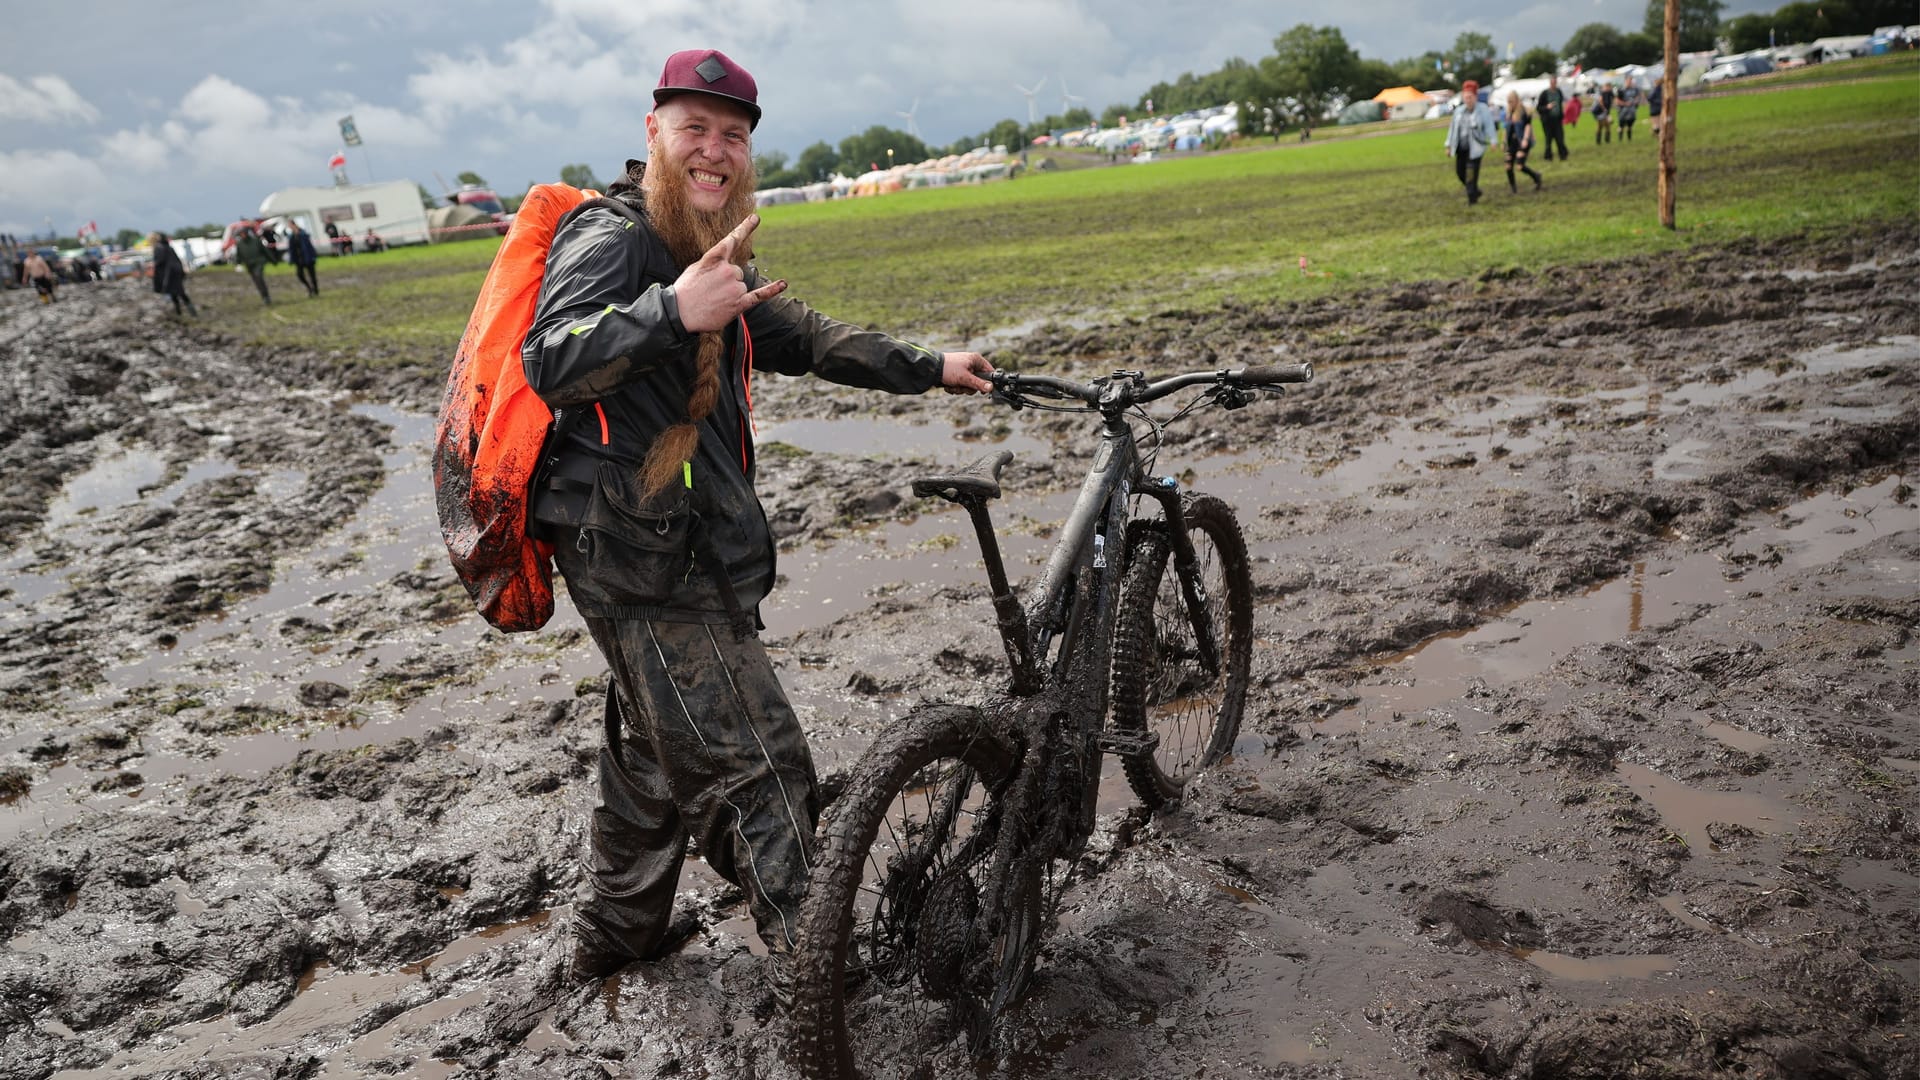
column 391, row 209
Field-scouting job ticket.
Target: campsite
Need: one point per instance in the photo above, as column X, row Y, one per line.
column 1585, row 733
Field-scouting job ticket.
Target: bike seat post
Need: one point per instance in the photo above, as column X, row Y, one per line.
column 1006, row 606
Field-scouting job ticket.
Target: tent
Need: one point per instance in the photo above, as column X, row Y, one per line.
column 1402, row 103
column 1363, row 112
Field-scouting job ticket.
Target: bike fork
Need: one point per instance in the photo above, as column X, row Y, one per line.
column 1186, row 566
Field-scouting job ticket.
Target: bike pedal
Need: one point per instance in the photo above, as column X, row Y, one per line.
column 1129, row 743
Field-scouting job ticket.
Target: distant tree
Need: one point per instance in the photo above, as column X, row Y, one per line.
column 126, row 238
column 1535, row 62
column 1699, row 24
column 1596, row 45
column 1423, row 70
column 871, row 146
column 427, row 201
column 580, row 176
column 1076, row 117
column 1113, row 114
column 1007, row 133
column 772, row 171
column 1312, row 65
column 817, row 162
column 470, row 178
column 1472, row 57
column 1640, row 47
column 1372, row 76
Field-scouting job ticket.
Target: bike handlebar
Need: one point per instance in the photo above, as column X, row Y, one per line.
column 1125, row 389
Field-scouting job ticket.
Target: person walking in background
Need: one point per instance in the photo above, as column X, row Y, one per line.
column 1519, row 133
column 1627, row 106
column 170, row 275
column 1468, row 135
column 1603, row 116
column 1573, row 111
column 37, row 271
column 301, row 254
column 1656, row 100
column 252, row 254
column 1551, row 106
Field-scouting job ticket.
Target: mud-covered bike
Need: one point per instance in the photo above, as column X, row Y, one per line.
column 940, row 865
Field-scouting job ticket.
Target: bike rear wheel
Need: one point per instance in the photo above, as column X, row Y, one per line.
column 906, row 948
column 1162, row 682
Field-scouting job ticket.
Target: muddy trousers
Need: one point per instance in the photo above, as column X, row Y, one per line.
column 707, row 749
column 305, row 272
column 259, row 276
column 179, row 296
column 1467, row 168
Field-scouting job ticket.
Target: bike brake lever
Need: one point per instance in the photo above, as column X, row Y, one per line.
column 1007, row 398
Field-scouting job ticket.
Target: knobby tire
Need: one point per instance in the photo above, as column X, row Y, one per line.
column 881, row 932
column 1159, row 683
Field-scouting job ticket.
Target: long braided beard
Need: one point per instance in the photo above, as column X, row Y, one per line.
column 689, row 233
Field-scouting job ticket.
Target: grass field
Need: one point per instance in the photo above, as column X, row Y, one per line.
column 1366, row 212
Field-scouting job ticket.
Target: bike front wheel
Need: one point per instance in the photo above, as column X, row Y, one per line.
column 1169, row 682
column 909, row 943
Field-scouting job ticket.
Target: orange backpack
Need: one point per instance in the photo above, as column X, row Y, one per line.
column 487, row 445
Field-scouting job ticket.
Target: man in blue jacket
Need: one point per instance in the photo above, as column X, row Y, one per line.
column 1468, row 136
column 650, row 323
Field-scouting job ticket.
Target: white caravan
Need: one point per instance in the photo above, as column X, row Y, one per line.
column 391, row 209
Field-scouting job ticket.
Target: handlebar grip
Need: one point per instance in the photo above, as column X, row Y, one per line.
column 1273, row 374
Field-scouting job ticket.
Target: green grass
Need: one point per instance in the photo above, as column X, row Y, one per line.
column 1375, row 208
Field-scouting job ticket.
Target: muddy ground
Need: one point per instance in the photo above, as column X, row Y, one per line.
column 1585, row 738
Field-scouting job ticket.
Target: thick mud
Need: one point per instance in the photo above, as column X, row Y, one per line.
column 1585, row 738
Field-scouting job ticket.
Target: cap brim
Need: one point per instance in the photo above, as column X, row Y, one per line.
column 661, row 95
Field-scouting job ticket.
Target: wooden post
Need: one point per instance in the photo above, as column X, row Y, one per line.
column 1670, row 105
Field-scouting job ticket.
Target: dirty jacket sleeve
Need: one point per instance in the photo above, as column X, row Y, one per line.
column 594, row 328
column 793, row 339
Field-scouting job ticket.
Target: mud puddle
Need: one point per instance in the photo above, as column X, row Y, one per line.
column 1527, row 639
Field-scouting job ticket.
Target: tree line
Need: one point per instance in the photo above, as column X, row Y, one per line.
column 1313, row 71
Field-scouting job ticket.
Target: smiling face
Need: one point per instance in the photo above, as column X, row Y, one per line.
column 703, row 141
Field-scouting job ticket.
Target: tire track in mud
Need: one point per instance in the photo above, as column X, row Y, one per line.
column 1506, row 880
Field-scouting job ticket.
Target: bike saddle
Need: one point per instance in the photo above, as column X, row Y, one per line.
column 980, row 480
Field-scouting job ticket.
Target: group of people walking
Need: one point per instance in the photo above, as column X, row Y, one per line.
column 1475, row 129
column 250, row 251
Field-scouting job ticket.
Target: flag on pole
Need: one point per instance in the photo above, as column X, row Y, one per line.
column 338, row 160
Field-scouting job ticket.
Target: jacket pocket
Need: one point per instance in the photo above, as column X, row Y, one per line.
column 636, row 551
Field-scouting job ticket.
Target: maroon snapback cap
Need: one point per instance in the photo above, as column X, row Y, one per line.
column 709, row 71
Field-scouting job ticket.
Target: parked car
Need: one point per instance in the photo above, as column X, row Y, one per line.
column 1737, row 68
column 127, row 264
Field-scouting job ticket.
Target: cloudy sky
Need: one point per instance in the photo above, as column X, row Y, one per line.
column 162, row 115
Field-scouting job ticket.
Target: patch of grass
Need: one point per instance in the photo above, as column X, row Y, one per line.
column 1373, row 208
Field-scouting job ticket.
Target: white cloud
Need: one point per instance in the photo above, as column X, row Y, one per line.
column 46, row 99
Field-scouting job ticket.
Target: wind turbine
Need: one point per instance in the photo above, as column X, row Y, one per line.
column 911, row 130
column 1033, row 117
column 1067, row 97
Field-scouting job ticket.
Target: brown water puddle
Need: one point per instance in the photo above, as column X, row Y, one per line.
column 323, row 1009
column 1687, row 811
column 1527, row 639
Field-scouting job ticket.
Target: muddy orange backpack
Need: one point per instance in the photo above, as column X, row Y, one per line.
column 492, row 426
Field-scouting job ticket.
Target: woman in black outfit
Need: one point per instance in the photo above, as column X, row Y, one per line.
column 1519, row 133
column 170, row 275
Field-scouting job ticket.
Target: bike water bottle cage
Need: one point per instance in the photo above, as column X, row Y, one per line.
column 978, row 482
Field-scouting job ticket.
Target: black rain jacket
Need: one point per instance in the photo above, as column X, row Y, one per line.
column 608, row 354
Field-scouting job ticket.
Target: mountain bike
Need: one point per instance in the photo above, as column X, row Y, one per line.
column 939, row 867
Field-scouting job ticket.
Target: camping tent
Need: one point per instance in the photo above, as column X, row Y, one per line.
column 1402, row 102
column 1363, row 112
